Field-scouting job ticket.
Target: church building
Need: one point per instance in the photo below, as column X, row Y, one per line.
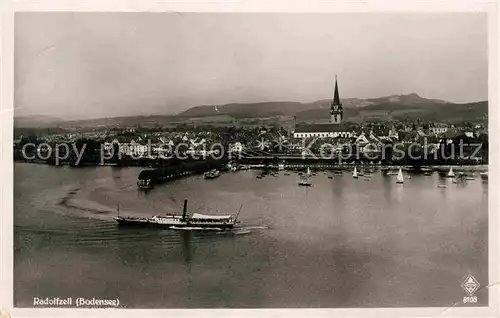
column 334, row 129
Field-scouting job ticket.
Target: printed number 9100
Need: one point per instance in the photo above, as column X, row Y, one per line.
column 470, row 300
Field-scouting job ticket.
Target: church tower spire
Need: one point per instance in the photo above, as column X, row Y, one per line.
column 336, row 112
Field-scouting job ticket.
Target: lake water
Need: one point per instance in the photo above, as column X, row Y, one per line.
column 341, row 243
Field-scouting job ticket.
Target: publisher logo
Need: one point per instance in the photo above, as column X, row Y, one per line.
column 470, row 285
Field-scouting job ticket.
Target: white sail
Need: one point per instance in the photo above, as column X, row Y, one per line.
column 400, row 178
column 450, row 173
column 308, row 171
column 355, row 173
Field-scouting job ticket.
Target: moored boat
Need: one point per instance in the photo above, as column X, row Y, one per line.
column 355, row 173
column 212, row 174
column 305, row 183
column 484, row 175
column 145, row 184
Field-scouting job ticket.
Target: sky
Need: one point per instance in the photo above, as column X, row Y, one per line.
column 91, row 65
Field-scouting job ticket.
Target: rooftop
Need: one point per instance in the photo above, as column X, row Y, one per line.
column 321, row 128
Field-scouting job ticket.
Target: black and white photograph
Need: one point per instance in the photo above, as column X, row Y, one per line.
column 245, row 160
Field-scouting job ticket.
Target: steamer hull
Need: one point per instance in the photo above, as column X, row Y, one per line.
column 196, row 221
column 154, row 223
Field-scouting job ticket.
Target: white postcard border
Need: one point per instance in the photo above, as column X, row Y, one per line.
column 6, row 155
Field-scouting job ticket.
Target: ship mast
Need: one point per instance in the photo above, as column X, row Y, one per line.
column 184, row 210
column 238, row 214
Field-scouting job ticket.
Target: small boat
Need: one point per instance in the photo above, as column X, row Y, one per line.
column 308, row 172
column 287, row 173
column 450, row 173
column 338, row 172
column 330, row 177
column 428, row 173
column 442, row 186
column 145, row 184
column 212, row 174
column 355, row 173
column 426, row 169
column 470, row 178
column 305, row 183
column 400, row 178
column 367, row 179
column 484, row 175
column 454, row 180
column 259, row 176
column 392, row 173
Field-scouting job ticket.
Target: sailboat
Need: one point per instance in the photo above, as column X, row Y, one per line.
column 451, row 174
column 355, row 173
column 400, row 178
column 308, row 172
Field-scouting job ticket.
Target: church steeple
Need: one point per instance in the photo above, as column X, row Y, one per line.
column 336, row 111
column 336, row 98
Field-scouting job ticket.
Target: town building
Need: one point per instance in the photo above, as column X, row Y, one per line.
column 334, row 129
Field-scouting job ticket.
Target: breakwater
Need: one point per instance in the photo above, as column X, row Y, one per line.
column 172, row 170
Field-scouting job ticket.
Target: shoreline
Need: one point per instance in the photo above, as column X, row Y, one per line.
column 476, row 168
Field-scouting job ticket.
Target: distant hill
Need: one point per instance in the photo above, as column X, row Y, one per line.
column 248, row 110
column 410, row 106
column 409, row 99
column 36, row 121
column 266, row 109
column 119, row 121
